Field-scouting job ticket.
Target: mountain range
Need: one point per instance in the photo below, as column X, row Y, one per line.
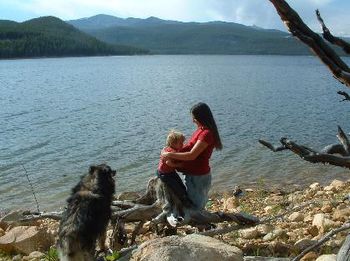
column 174, row 37
column 109, row 35
column 52, row 37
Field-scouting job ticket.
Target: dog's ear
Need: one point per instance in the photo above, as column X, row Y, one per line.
column 92, row 170
column 113, row 172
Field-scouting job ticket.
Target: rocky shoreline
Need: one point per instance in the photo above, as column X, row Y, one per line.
column 290, row 222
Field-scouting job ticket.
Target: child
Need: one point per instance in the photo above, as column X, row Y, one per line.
column 166, row 168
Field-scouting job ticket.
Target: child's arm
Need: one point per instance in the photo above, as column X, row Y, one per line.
column 174, row 163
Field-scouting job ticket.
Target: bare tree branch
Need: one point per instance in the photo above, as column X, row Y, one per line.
column 299, row 29
column 346, row 96
column 322, row 240
column 325, row 156
column 330, row 38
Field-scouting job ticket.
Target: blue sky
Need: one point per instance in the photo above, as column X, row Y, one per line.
column 248, row 12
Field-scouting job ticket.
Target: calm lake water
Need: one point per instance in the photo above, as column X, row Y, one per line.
column 58, row 116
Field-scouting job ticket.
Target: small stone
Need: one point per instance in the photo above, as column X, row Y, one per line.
column 274, row 234
column 268, row 209
column 315, row 186
column 36, row 255
column 330, row 193
column 249, row 233
column 328, row 223
column 264, row 229
column 296, row 217
column 313, row 230
column 319, row 193
column 327, row 258
column 304, row 243
column 327, row 208
column 311, row 256
column 308, row 218
column 17, row 258
column 341, row 214
column 318, row 220
column 231, row 203
column 329, row 188
column 338, row 184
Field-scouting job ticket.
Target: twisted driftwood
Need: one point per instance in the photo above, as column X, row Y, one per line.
column 331, row 38
column 343, row 254
column 326, row 155
column 341, row 72
column 149, row 209
column 300, row 30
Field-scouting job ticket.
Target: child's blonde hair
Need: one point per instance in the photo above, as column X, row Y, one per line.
column 174, row 137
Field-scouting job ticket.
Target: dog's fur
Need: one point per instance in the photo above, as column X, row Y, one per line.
column 87, row 215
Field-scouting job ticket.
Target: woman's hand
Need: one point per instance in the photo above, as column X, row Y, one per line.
column 164, row 153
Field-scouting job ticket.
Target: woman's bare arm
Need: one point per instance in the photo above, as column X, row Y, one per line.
column 197, row 149
column 174, row 164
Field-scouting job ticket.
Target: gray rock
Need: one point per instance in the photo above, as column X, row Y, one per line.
column 327, row 258
column 25, row 239
column 262, row 258
column 188, row 248
column 304, row 243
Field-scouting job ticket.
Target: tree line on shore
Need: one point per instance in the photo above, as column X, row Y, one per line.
column 51, row 37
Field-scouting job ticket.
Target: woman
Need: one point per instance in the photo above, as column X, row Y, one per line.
column 196, row 154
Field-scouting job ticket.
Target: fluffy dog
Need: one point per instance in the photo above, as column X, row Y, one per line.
column 87, row 215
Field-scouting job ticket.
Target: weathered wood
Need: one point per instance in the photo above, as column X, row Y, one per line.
column 300, row 30
column 324, row 239
column 138, row 213
column 346, row 96
column 331, row 38
column 343, row 141
column 344, row 251
column 33, row 216
column 325, row 156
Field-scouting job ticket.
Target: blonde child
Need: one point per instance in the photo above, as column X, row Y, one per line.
column 167, row 168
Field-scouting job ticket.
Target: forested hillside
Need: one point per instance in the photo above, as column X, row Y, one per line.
column 173, row 37
column 52, row 37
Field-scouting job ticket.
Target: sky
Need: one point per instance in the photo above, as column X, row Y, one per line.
column 248, row 12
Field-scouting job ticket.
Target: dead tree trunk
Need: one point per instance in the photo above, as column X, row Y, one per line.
column 299, row 29
column 331, row 38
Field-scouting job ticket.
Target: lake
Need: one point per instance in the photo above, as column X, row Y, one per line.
column 59, row 116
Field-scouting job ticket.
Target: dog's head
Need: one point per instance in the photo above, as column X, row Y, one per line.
column 103, row 177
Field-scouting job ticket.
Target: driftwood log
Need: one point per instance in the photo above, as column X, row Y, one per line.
column 335, row 154
column 344, row 252
column 149, row 209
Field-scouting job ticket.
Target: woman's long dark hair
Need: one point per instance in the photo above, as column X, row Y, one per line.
column 202, row 113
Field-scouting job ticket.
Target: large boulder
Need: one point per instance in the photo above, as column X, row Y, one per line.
column 188, row 248
column 25, row 239
column 11, row 219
